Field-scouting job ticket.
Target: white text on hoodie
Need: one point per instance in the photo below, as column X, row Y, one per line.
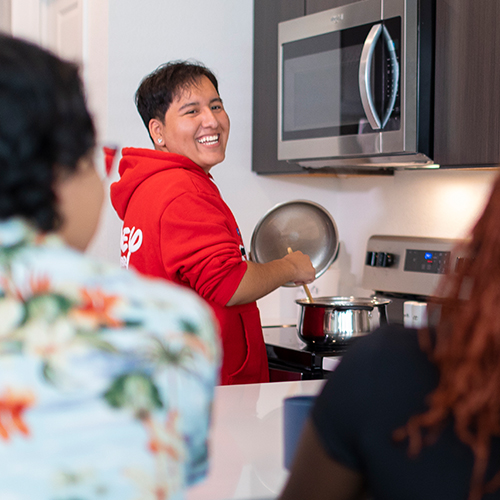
column 131, row 241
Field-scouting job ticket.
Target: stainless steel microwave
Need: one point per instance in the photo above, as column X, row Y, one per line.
column 355, row 86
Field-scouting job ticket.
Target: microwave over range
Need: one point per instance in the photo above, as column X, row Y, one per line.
column 356, row 86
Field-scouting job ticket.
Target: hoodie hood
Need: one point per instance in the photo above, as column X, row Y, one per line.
column 137, row 165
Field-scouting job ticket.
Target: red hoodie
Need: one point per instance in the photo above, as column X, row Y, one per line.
column 176, row 226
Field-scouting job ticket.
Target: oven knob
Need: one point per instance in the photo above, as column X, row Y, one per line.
column 384, row 259
column 371, row 259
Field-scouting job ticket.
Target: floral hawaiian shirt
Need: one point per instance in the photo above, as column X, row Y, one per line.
column 106, row 377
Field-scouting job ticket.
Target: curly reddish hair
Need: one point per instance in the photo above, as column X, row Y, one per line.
column 466, row 349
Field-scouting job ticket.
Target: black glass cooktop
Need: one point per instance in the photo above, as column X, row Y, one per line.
column 284, row 345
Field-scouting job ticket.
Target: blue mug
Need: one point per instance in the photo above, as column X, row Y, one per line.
column 296, row 409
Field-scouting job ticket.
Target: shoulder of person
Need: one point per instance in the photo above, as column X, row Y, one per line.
column 136, row 298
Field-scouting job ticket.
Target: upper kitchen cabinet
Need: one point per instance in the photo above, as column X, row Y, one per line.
column 465, row 98
column 467, row 83
column 267, row 15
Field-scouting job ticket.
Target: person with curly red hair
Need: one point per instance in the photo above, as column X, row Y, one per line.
column 415, row 414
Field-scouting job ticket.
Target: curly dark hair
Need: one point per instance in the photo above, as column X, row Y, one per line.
column 157, row 90
column 45, row 128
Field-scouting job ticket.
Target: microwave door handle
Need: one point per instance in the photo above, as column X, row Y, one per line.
column 365, row 64
column 395, row 75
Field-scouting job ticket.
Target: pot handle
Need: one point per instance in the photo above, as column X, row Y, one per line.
column 383, row 314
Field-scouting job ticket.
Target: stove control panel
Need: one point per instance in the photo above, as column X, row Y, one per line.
column 426, row 261
column 408, row 265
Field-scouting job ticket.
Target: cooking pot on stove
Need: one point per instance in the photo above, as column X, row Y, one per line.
column 329, row 321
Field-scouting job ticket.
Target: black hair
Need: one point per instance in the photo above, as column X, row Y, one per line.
column 45, row 129
column 158, row 89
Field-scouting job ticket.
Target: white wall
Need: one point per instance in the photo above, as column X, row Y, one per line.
column 219, row 33
column 5, row 16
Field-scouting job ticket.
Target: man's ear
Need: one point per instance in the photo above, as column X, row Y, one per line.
column 156, row 132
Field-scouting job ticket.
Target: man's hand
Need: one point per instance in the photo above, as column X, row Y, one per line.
column 261, row 279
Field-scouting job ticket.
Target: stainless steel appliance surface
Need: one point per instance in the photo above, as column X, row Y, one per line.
column 355, row 86
column 407, row 269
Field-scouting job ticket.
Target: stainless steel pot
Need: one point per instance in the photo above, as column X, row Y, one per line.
column 337, row 320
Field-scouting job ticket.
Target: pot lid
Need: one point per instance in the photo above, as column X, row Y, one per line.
column 301, row 225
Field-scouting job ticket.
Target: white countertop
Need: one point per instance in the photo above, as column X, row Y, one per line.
column 246, row 452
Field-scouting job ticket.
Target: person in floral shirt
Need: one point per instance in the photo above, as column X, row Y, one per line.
column 106, row 378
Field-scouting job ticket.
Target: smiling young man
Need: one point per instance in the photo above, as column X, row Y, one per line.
column 175, row 223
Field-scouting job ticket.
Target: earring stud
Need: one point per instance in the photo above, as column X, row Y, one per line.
column 160, row 140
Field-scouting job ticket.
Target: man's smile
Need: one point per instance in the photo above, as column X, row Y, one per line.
column 209, row 139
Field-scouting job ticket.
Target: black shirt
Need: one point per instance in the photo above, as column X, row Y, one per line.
column 381, row 382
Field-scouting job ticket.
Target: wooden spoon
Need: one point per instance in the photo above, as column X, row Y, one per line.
column 306, row 288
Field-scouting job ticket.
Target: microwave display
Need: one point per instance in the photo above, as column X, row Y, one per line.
column 320, row 92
